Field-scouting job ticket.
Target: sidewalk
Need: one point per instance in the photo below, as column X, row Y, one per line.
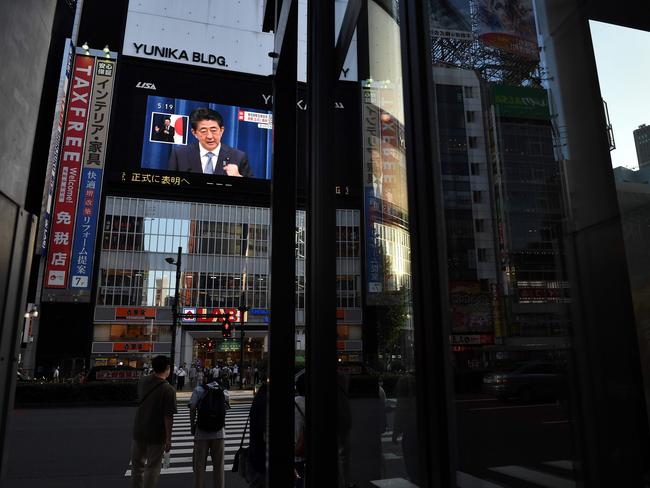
column 236, row 396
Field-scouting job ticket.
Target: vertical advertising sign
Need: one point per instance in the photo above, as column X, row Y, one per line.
column 509, row 26
column 91, row 178
column 372, row 193
column 385, row 192
column 67, row 189
column 55, row 147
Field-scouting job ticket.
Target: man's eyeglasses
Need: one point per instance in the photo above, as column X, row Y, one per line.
column 212, row 130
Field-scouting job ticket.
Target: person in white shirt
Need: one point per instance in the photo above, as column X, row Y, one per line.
column 180, row 377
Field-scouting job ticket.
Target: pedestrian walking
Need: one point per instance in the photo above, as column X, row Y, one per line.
column 225, row 377
column 55, row 374
column 180, row 377
column 192, row 376
column 256, row 462
column 208, row 406
column 299, row 431
column 215, row 373
column 152, row 431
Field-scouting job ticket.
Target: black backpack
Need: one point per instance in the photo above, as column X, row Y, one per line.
column 212, row 410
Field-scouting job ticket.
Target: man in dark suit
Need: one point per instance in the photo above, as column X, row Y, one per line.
column 167, row 132
column 209, row 155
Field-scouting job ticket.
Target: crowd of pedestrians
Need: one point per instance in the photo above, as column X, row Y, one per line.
column 226, row 375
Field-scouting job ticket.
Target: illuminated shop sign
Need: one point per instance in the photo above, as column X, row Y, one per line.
column 471, row 339
column 132, row 347
column 135, row 313
column 209, row 315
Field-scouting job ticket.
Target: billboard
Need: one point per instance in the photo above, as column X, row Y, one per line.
column 508, row 25
column 85, row 233
column 189, row 136
column 385, row 192
column 470, row 308
column 67, row 189
column 55, row 146
column 521, row 102
column 450, row 19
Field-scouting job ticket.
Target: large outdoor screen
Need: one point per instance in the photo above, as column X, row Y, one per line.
column 191, row 136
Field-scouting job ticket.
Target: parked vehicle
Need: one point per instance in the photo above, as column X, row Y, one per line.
column 528, row 382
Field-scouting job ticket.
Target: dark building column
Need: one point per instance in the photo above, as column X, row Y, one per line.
column 26, row 31
column 614, row 427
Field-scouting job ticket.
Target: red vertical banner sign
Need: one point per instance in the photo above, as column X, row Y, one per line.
column 67, row 188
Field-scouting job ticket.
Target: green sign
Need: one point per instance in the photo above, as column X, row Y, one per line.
column 520, row 102
column 228, row 345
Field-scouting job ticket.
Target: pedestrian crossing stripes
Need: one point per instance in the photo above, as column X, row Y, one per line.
column 550, row 474
column 183, row 440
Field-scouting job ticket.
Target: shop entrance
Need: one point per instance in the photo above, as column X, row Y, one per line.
column 209, row 351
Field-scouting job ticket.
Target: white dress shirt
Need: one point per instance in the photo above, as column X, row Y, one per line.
column 204, row 157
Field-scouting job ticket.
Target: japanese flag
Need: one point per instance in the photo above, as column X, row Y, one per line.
column 178, row 121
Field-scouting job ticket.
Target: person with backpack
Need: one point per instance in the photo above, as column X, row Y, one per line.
column 208, row 406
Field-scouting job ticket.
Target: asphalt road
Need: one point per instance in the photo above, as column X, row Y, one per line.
column 77, row 448
column 532, row 437
column 498, row 442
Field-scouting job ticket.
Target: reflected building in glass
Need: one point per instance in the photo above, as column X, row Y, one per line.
column 530, row 216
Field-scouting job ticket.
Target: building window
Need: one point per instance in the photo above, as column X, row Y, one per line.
column 479, row 225
column 347, row 240
column 470, row 116
column 468, row 91
column 477, row 196
column 481, row 255
column 472, row 142
column 475, row 169
column 348, row 291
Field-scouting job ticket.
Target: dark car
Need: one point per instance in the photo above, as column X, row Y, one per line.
column 528, row 382
column 114, row 373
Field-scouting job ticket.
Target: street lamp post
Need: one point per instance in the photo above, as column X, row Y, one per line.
column 175, row 311
column 242, row 314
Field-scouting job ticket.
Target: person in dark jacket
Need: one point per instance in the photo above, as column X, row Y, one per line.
column 256, row 464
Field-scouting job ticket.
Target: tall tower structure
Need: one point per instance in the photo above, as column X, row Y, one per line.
column 642, row 143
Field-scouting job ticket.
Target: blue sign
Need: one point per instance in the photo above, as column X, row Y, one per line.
column 374, row 252
column 85, row 231
column 260, row 313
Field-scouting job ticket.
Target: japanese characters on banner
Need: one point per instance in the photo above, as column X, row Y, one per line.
column 372, row 192
column 385, row 195
column 55, row 147
column 67, row 189
column 91, row 178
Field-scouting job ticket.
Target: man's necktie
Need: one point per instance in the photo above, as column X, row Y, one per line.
column 209, row 168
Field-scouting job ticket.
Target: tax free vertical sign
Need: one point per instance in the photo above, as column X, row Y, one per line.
column 59, row 252
column 91, row 179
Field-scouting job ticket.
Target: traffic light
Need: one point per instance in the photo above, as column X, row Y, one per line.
column 225, row 331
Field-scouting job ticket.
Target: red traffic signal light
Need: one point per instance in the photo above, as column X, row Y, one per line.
column 225, row 331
